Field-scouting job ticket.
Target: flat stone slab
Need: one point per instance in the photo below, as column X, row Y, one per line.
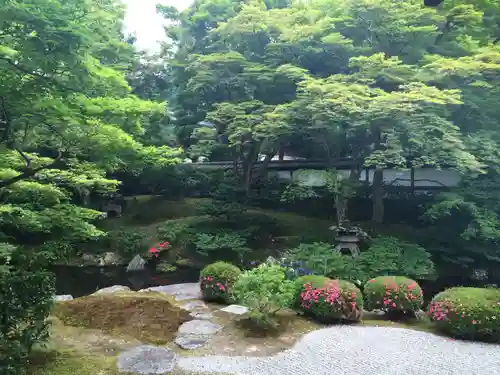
column 192, row 342
column 195, row 306
column 147, row 360
column 198, row 327
column 201, row 315
column 63, row 297
column 181, row 292
column 235, row 310
column 112, row 289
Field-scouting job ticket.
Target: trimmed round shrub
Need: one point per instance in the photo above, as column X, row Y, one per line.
column 315, row 281
column 332, row 301
column 467, row 313
column 393, row 294
column 216, row 281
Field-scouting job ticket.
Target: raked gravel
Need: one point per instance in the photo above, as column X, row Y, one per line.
column 350, row 350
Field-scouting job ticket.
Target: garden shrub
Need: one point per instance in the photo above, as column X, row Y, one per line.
column 393, row 294
column 26, row 299
column 333, row 301
column 216, row 281
column 264, row 290
column 467, row 313
column 315, row 281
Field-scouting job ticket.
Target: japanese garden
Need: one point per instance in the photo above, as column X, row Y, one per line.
column 280, row 187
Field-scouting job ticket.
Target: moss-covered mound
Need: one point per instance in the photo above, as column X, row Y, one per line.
column 149, row 317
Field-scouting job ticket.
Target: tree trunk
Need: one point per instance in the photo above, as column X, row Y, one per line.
column 378, row 196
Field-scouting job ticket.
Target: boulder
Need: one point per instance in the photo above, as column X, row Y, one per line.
column 136, row 264
column 147, row 360
column 181, row 292
column 64, row 297
column 112, row 289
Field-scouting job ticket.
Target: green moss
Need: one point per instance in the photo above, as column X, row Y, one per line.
column 149, row 317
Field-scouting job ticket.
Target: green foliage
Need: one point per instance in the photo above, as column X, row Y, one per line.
column 127, row 242
column 217, row 280
column 220, row 242
column 393, row 294
column 467, row 313
column 386, row 256
column 391, row 256
column 264, row 290
column 26, row 299
column 335, row 300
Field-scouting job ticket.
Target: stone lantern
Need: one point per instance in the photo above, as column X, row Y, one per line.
column 349, row 238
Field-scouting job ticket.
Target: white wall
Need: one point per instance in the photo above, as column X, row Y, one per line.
column 424, row 177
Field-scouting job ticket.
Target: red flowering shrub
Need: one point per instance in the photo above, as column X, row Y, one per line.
column 317, row 282
column 216, row 281
column 154, row 251
column 393, row 294
column 335, row 300
column 467, row 313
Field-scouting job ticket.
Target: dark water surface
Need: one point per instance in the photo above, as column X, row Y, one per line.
column 82, row 281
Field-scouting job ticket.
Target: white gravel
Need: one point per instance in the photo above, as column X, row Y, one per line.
column 350, row 350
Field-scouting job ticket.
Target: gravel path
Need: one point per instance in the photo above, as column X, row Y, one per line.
column 362, row 351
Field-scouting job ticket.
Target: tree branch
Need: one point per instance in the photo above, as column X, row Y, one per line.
column 29, row 172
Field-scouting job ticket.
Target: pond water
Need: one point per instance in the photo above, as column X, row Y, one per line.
column 82, row 281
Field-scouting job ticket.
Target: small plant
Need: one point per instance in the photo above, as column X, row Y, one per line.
column 317, row 282
column 393, row 294
column 265, row 290
column 216, row 281
column 467, row 313
column 336, row 300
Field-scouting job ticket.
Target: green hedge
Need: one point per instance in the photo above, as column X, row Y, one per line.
column 468, row 313
column 216, row 281
column 393, row 294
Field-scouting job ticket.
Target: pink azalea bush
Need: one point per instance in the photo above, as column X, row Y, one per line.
column 334, row 300
column 468, row 313
column 216, row 281
column 393, row 294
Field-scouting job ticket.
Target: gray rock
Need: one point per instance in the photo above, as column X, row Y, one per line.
column 147, row 360
column 64, row 297
column 201, row 315
column 181, row 292
column 198, row 327
column 112, row 289
column 192, row 342
column 194, row 306
column 136, row 264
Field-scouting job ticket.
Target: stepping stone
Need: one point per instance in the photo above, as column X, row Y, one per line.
column 64, row 297
column 201, row 315
column 195, row 305
column 112, row 289
column 147, row 360
column 192, row 342
column 198, row 327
